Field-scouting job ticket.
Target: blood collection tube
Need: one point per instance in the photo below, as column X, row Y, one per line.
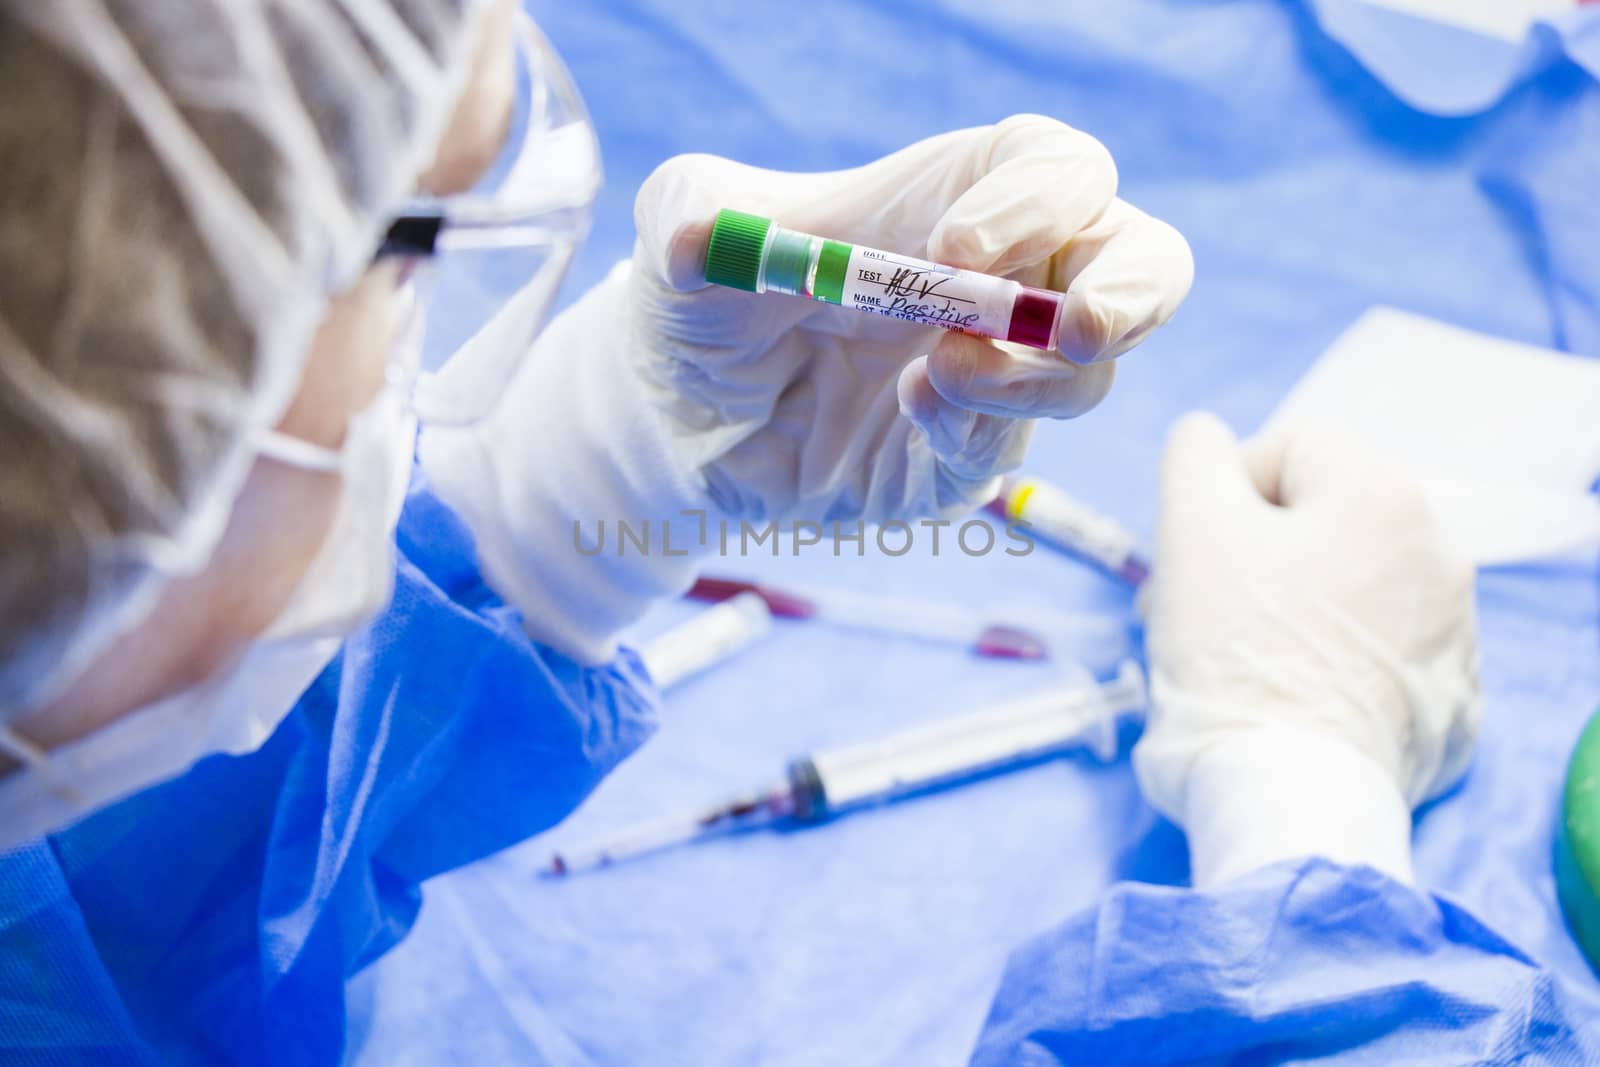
column 755, row 254
column 707, row 639
column 1068, row 523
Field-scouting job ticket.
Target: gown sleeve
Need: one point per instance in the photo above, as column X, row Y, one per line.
column 216, row 917
column 1304, row 961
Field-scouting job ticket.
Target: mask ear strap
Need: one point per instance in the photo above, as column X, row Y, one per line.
column 294, row 452
column 37, row 761
column 21, row 749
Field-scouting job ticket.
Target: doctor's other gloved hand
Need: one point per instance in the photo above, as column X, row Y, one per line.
column 1313, row 653
column 659, row 394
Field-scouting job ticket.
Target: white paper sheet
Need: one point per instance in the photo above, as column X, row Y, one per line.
column 1504, row 436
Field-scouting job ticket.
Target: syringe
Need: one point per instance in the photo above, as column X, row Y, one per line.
column 833, row 781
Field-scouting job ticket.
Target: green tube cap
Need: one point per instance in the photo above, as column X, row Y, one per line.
column 733, row 258
column 1578, row 844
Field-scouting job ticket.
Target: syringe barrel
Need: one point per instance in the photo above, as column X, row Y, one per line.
column 925, row 757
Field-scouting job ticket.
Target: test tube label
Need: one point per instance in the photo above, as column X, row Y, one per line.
column 915, row 290
column 833, row 264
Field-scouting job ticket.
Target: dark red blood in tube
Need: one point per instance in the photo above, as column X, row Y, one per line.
column 1033, row 317
column 1008, row 642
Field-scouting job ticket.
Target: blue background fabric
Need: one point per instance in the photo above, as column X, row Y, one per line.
column 1315, row 174
column 214, row 918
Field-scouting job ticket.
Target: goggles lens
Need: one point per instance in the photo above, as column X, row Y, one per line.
column 496, row 256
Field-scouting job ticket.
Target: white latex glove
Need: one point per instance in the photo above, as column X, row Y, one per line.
column 1313, row 653
column 659, row 393
column 791, row 408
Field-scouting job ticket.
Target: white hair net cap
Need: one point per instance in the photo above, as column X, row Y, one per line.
column 185, row 184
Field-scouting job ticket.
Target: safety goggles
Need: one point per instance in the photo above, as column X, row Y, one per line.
column 493, row 258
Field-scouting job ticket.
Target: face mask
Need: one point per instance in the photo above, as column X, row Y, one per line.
column 351, row 577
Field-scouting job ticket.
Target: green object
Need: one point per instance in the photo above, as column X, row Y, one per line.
column 738, row 242
column 1578, row 844
column 831, row 266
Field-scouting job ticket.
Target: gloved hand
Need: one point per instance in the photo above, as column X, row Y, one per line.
column 1313, row 653
column 659, row 393
column 790, row 408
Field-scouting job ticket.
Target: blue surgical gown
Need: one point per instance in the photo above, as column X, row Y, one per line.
column 215, row 918
column 1301, row 962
